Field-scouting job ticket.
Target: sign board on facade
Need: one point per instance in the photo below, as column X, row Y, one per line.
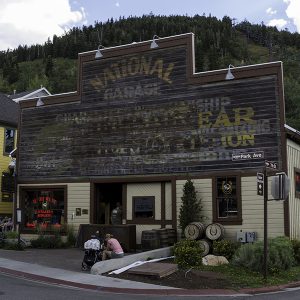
column 248, row 155
column 141, row 112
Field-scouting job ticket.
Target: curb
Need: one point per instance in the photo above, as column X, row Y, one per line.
column 170, row 292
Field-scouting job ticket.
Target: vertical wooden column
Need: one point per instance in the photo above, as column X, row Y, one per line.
column 163, row 204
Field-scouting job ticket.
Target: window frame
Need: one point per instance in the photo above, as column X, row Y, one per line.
column 142, row 219
column 5, row 153
column 296, row 172
column 232, row 220
column 24, row 189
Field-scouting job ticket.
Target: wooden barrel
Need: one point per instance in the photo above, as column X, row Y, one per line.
column 172, row 238
column 194, row 231
column 215, row 231
column 206, row 246
column 150, row 240
column 163, row 237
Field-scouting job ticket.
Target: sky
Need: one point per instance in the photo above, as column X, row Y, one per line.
column 29, row 22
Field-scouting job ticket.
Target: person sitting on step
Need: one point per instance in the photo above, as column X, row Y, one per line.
column 113, row 248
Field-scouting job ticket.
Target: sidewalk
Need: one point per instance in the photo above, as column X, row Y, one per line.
column 63, row 267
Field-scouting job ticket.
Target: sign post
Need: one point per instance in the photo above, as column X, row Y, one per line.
column 274, row 166
column 19, row 221
column 265, row 223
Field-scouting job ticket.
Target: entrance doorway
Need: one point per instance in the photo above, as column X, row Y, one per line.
column 107, row 197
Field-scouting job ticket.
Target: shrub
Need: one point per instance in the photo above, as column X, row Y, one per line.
column 188, row 253
column 296, row 248
column 11, row 234
column 47, row 242
column 14, row 246
column 280, row 255
column 191, row 209
column 225, row 248
column 71, row 237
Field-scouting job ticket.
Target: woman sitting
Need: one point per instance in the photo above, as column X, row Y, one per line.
column 113, row 248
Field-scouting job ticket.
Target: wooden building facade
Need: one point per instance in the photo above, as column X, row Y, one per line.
column 140, row 123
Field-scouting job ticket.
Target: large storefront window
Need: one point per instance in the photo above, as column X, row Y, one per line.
column 227, row 207
column 43, row 208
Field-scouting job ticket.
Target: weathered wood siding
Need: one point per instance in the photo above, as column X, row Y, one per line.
column 293, row 154
column 139, row 115
column 252, row 208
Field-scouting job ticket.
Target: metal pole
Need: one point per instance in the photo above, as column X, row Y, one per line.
column 265, row 223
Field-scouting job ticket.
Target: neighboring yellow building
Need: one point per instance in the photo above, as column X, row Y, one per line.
column 8, row 136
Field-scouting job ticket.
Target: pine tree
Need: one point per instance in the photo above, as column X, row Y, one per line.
column 190, row 210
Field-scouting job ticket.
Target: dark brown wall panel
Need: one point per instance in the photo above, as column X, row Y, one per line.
column 139, row 114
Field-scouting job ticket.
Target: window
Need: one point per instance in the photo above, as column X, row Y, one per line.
column 143, row 207
column 9, row 140
column 43, row 208
column 226, row 195
column 297, row 183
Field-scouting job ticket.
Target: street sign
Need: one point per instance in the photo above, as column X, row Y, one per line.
column 260, row 177
column 260, row 184
column 281, row 186
column 247, row 155
column 271, row 165
column 260, row 189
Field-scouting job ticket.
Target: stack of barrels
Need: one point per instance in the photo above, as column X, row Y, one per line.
column 158, row 238
column 205, row 234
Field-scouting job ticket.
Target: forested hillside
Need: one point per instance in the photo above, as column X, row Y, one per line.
column 218, row 43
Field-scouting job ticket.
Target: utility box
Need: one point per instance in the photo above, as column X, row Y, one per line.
column 246, row 237
column 241, row 237
column 251, row 237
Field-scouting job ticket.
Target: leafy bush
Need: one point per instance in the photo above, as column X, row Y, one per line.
column 225, row 248
column 188, row 253
column 11, row 234
column 71, row 237
column 13, row 246
column 47, row 242
column 280, row 255
column 296, row 248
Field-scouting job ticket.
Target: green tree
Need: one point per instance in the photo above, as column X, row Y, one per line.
column 49, row 66
column 190, row 210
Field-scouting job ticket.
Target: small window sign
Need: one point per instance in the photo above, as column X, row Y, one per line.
column 143, row 206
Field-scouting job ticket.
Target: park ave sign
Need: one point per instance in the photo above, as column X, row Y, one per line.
column 249, row 155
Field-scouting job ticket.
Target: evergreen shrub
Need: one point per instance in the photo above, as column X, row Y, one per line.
column 280, row 255
column 190, row 210
column 188, row 253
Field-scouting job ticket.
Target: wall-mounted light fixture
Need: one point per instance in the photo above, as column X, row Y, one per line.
column 229, row 75
column 153, row 43
column 40, row 102
column 98, row 52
